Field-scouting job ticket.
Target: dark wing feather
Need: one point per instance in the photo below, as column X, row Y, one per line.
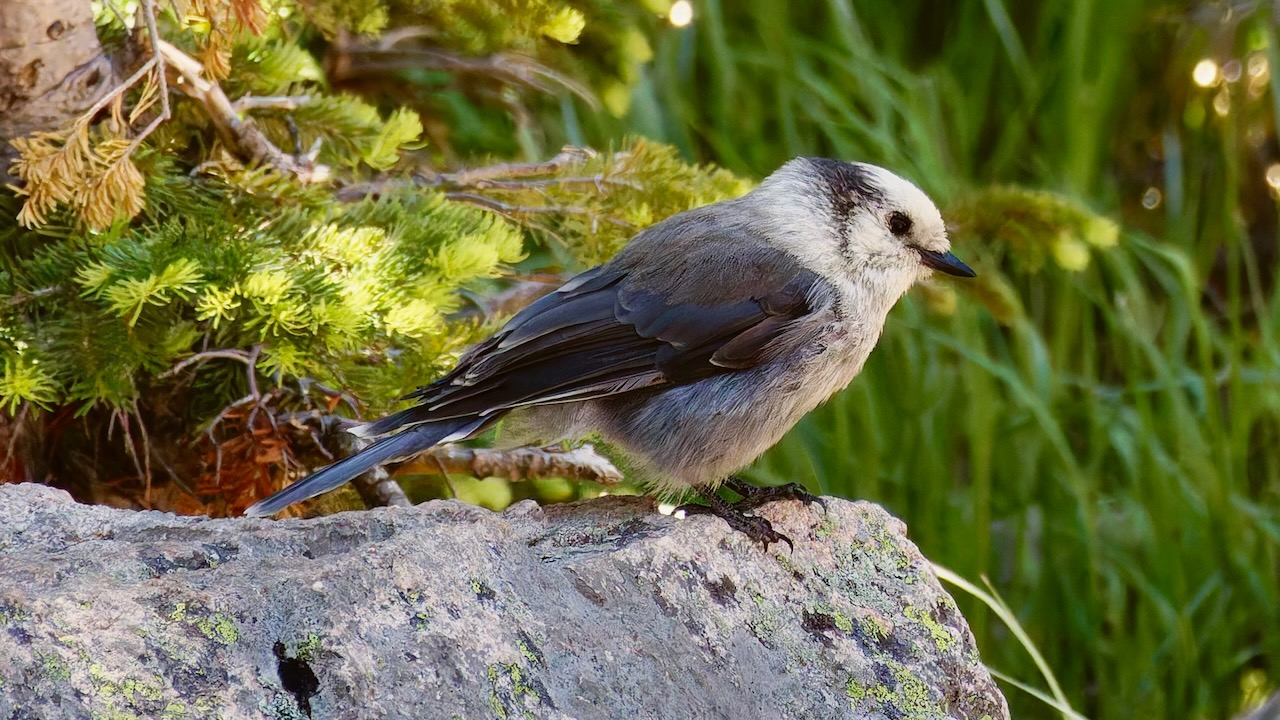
column 608, row 331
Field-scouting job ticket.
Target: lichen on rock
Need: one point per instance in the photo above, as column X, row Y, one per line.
column 599, row 609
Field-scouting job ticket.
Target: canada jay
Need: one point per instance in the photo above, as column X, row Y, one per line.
column 696, row 347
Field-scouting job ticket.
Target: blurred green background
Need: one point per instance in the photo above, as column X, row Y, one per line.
column 1095, row 429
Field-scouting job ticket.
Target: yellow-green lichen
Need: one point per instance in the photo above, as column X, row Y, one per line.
column 175, row 710
column 873, row 627
column 786, row 563
column 843, row 623
column 528, row 653
column 826, row 527
column 764, row 622
column 219, row 628
column 307, row 650
column 509, row 674
column 129, row 689
column 495, row 704
column 482, row 591
column 942, row 637
column 909, row 695
column 890, row 547
column 12, row 614
column 839, row 619
column 55, row 668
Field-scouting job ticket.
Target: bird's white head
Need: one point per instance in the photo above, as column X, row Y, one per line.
column 854, row 220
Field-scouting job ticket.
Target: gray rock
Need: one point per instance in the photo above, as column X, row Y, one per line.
column 601, row 609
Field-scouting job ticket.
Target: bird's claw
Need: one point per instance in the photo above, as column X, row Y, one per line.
column 755, row 527
column 753, row 496
column 799, row 492
column 761, row 529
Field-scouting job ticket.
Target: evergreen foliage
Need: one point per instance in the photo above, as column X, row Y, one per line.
column 133, row 252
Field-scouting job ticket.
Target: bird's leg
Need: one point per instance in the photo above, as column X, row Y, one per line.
column 753, row 496
column 753, row 526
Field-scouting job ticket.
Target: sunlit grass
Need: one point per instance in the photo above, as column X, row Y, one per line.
column 1108, row 453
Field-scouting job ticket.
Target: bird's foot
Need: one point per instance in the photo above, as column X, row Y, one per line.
column 754, row 527
column 753, row 496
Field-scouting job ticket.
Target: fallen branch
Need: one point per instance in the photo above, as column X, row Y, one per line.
column 580, row 463
column 568, row 156
column 375, row 486
column 242, row 136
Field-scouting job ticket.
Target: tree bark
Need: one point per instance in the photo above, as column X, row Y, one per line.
column 52, row 67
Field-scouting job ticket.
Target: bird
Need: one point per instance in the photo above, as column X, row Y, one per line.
column 695, row 348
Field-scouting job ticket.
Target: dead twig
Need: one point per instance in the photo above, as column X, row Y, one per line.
column 568, row 156
column 468, row 186
column 242, row 136
column 348, row 61
column 147, row 450
column 376, row 486
column 149, row 15
column 444, row 475
column 21, row 298
column 249, row 103
column 515, row 211
column 130, row 447
column 227, row 353
column 503, row 176
column 16, row 429
column 580, row 463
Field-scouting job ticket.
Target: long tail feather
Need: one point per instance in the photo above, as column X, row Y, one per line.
column 401, row 445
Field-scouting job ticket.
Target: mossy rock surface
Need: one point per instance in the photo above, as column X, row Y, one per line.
column 601, row 609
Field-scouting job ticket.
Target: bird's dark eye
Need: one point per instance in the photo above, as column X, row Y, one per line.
column 899, row 223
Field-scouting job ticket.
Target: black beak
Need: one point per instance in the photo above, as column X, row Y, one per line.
column 945, row 262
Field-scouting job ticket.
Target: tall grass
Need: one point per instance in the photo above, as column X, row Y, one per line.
column 1109, row 457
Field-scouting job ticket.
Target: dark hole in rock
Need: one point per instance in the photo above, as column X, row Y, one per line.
column 297, row 677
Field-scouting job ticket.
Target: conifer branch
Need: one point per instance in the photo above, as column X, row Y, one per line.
column 242, row 136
